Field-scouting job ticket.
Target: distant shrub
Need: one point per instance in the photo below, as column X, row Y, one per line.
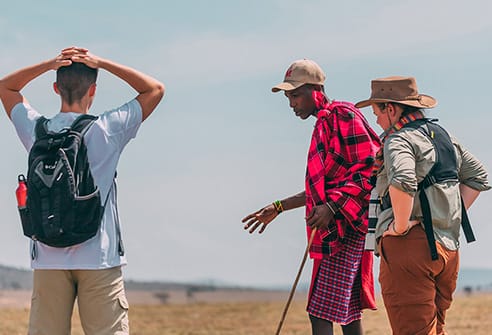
column 162, row 296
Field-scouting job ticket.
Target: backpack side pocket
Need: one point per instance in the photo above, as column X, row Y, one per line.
column 26, row 221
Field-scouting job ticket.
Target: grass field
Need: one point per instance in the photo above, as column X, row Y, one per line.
column 469, row 315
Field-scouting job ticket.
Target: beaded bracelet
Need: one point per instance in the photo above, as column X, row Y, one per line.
column 278, row 206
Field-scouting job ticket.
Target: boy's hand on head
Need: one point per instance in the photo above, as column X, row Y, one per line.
column 60, row 60
column 65, row 57
column 82, row 55
column 74, row 50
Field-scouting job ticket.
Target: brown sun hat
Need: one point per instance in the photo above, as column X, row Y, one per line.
column 402, row 90
column 303, row 71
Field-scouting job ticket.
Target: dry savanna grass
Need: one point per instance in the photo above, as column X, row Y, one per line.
column 469, row 315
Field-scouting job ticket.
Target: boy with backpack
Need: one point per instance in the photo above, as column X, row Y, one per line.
column 336, row 196
column 71, row 212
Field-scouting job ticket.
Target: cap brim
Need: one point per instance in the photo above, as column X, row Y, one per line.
column 287, row 86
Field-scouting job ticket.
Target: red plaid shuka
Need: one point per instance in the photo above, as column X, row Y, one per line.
column 339, row 166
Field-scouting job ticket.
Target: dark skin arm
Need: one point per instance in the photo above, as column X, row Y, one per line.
column 318, row 218
column 265, row 215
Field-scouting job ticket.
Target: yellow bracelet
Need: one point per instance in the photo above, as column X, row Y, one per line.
column 278, row 206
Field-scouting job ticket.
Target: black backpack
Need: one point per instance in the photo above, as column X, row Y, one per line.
column 63, row 203
column 444, row 169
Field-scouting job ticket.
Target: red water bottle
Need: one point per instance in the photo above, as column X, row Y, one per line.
column 21, row 191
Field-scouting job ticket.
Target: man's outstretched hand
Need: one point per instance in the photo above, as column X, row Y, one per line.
column 261, row 217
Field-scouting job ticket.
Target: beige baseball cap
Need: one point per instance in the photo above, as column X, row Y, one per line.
column 303, row 71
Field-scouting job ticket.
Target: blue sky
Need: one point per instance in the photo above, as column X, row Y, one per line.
column 220, row 144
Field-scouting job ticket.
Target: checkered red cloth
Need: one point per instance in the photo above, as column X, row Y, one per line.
column 336, row 287
column 339, row 166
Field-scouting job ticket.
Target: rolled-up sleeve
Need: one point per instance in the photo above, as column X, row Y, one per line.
column 399, row 161
column 472, row 173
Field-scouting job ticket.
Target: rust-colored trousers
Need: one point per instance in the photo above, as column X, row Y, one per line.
column 416, row 290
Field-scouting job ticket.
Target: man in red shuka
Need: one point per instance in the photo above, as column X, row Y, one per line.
column 339, row 166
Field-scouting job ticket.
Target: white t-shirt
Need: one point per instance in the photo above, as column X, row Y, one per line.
column 105, row 141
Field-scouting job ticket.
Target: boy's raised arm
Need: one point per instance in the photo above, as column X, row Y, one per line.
column 12, row 84
column 150, row 90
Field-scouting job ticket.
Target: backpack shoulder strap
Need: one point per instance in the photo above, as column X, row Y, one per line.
column 41, row 129
column 420, row 124
column 83, row 123
column 447, row 166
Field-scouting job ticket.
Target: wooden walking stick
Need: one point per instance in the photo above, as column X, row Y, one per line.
column 286, row 308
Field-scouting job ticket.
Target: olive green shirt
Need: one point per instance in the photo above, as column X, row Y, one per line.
column 408, row 157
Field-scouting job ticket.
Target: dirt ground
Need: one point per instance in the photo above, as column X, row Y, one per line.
column 240, row 312
column 22, row 299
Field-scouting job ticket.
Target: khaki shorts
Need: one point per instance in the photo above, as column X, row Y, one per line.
column 100, row 294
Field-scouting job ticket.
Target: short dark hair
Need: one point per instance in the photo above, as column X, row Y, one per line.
column 74, row 80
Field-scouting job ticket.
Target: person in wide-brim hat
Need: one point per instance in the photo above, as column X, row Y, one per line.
column 397, row 89
column 424, row 182
column 393, row 98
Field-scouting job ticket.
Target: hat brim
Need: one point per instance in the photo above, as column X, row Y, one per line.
column 424, row 101
column 287, row 86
